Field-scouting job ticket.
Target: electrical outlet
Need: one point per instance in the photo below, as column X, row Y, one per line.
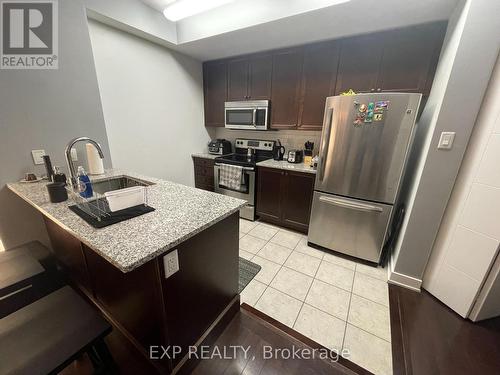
column 74, row 154
column 171, row 263
column 38, row 156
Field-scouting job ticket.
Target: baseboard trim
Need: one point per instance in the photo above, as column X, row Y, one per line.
column 402, row 280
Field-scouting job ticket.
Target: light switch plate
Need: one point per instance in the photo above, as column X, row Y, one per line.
column 171, row 263
column 38, row 156
column 446, row 140
column 74, row 154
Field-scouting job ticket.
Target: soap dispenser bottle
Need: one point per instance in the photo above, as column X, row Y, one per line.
column 85, row 186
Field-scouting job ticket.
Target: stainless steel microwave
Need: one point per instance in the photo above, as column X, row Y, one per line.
column 247, row 115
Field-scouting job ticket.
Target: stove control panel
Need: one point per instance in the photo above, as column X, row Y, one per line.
column 255, row 144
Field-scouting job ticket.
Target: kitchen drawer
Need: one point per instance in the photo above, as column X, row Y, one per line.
column 349, row 226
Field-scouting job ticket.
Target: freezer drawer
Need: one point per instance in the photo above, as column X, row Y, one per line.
column 349, row 226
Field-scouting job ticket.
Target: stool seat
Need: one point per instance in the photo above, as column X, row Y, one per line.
column 17, row 267
column 45, row 335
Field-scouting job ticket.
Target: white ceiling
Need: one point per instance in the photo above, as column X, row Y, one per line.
column 246, row 26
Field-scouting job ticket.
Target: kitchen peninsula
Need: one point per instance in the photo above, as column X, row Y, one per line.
column 120, row 268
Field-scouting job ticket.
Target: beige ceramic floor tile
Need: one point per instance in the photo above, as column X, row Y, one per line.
column 247, row 225
column 376, row 272
column 329, row 298
column 332, row 258
column 252, row 292
column 246, row 254
column 263, row 231
column 370, row 316
column 279, row 306
column 308, row 250
column 335, row 275
column 251, row 244
column 368, row 351
column 286, row 238
column 374, row 289
column 303, row 263
column 320, row 327
column 268, row 271
column 291, row 282
column 274, row 252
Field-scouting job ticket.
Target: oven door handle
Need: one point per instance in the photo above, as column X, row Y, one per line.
column 244, row 168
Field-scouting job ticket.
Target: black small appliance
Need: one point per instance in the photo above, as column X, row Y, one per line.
column 295, row 156
column 219, row 147
column 278, row 151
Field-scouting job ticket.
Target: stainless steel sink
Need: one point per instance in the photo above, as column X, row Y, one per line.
column 118, row 183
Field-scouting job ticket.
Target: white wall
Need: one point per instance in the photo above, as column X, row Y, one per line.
column 469, row 236
column 465, row 66
column 44, row 109
column 153, row 104
column 135, row 16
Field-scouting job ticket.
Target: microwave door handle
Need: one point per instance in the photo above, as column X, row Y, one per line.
column 254, row 117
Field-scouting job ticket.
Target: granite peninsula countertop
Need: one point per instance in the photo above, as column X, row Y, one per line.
column 283, row 164
column 181, row 212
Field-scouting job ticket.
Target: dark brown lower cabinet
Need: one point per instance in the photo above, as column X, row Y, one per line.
column 284, row 197
column 150, row 309
column 69, row 253
column 203, row 173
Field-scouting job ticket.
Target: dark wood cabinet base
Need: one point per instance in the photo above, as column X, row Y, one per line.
column 284, row 197
column 149, row 309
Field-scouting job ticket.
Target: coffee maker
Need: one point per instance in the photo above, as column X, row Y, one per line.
column 278, row 151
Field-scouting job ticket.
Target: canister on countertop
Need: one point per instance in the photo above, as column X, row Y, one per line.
column 57, row 192
column 308, row 152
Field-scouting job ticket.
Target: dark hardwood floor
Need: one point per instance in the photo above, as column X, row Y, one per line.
column 429, row 338
column 251, row 328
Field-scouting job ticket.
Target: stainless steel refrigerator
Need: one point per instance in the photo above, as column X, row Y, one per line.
column 364, row 146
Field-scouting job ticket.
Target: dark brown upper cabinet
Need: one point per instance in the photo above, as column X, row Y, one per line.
column 237, row 79
column 319, row 75
column 287, row 69
column 359, row 64
column 409, row 58
column 297, row 80
column 260, row 68
column 249, row 78
column 215, row 92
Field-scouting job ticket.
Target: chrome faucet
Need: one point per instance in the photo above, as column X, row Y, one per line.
column 69, row 160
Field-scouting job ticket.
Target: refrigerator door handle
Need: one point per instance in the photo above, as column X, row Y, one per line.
column 352, row 205
column 325, row 144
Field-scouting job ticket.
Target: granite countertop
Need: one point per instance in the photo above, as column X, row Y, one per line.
column 181, row 212
column 283, row 164
column 205, row 155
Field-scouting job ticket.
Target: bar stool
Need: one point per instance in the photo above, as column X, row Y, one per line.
column 27, row 273
column 48, row 334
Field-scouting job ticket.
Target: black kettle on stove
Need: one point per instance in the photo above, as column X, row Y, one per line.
column 278, row 151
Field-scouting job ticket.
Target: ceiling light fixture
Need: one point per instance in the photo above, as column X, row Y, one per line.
column 186, row 8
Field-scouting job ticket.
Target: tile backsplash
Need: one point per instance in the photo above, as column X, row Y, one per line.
column 291, row 139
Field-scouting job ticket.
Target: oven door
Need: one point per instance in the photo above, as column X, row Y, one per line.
column 248, row 188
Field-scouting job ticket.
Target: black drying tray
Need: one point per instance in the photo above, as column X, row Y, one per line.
column 113, row 217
